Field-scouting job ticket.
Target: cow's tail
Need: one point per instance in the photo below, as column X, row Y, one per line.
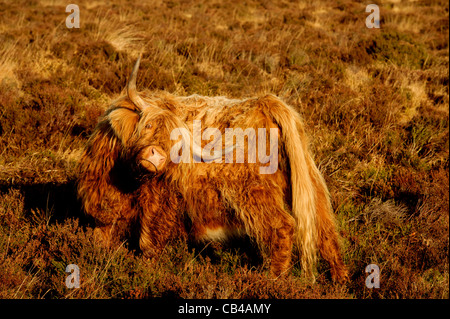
column 305, row 179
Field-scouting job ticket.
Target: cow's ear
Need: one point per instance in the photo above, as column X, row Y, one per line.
column 123, row 122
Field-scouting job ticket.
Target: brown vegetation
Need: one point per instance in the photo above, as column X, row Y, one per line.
column 374, row 101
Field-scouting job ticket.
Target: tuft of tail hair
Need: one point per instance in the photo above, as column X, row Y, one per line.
column 306, row 181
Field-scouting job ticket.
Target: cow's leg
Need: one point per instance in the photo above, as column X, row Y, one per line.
column 329, row 250
column 102, row 235
column 151, row 239
column 327, row 240
column 115, row 223
column 157, row 228
column 161, row 219
column 262, row 213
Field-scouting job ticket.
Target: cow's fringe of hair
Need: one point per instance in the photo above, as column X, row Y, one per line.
column 95, row 164
column 303, row 192
column 99, row 193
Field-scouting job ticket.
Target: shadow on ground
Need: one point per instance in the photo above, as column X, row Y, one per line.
column 54, row 202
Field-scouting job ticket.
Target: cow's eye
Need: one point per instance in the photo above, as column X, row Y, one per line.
column 148, row 126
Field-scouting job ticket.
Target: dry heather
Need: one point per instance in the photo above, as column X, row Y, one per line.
column 375, row 102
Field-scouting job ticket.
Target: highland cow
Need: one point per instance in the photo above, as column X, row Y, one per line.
column 113, row 189
column 290, row 206
column 128, row 182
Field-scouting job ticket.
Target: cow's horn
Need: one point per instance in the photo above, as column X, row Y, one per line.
column 131, row 88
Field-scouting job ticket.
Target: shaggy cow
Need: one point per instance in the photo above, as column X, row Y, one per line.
column 222, row 199
column 111, row 190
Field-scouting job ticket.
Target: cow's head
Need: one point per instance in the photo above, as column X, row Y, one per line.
column 151, row 143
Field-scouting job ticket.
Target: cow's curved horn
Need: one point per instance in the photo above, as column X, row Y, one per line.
column 131, row 88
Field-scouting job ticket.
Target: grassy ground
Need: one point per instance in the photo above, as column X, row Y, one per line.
column 375, row 102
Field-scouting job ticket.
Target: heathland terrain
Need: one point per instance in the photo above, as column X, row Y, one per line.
column 375, row 103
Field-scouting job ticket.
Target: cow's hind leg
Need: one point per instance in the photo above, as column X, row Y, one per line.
column 329, row 247
column 265, row 220
column 327, row 240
